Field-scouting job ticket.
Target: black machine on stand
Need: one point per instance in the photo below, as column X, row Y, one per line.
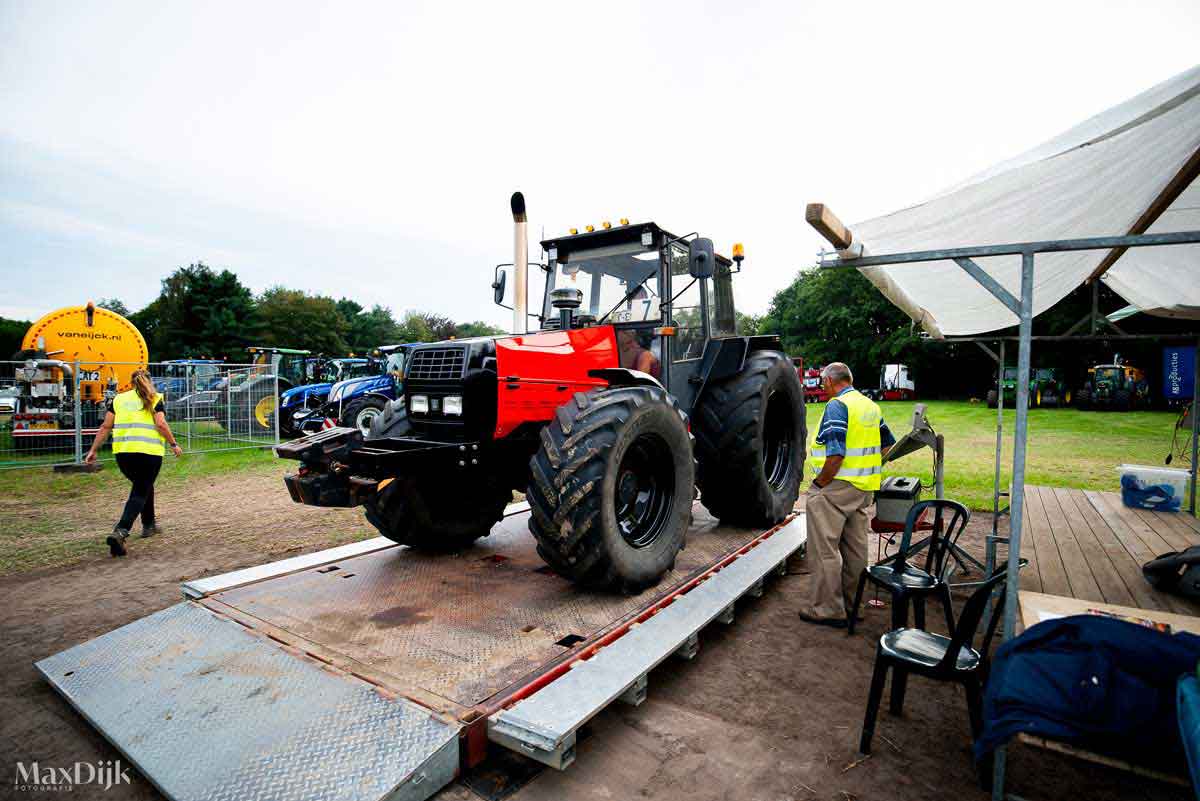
column 900, row 493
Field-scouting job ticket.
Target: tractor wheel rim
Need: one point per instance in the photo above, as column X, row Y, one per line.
column 263, row 411
column 644, row 490
column 365, row 418
column 778, row 434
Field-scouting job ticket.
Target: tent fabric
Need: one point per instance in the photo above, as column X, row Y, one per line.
column 1096, row 179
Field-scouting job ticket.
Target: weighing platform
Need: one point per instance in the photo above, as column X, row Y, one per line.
column 372, row 671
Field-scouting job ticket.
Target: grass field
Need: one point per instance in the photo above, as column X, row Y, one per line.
column 45, row 483
column 1067, row 447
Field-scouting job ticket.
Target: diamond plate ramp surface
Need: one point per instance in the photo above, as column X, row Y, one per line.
column 206, row 710
column 462, row 626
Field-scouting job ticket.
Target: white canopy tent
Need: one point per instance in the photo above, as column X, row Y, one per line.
column 1130, row 169
column 1101, row 201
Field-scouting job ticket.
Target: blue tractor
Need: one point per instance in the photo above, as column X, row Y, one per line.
column 299, row 405
column 356, row 401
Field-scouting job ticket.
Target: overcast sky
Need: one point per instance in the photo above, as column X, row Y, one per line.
column 369, row 150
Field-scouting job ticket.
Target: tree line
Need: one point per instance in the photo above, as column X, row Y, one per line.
column 204, row 313
column 822, row 316
column 838, row 315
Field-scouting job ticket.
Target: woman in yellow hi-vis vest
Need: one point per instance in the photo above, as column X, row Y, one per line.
column 846, row 451
column 138, row 423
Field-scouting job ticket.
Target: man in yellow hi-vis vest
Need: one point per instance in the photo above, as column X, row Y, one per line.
column 846, row 452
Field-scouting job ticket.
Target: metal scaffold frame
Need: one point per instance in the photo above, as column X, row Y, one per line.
column 1022, row 307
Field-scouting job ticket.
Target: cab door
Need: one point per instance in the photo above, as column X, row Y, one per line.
column 688, row 315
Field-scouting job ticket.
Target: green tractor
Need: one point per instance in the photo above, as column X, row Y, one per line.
column 1114, row 387
column 247, row 404
column 1047, row 388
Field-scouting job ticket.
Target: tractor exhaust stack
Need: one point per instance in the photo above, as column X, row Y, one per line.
column 520, row 264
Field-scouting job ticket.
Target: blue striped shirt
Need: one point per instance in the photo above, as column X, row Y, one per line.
column 832, row 432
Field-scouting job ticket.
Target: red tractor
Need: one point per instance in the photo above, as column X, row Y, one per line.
column 814, row 392
column 634, row 393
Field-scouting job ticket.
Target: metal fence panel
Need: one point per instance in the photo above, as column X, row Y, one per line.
column 50, row 411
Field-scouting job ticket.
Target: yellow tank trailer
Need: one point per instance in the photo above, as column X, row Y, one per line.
column 107, row 347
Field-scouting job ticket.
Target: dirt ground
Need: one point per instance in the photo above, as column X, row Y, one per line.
column 771, row 708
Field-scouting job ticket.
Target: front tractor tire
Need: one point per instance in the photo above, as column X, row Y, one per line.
column 611, row 488
column 360, row 413
column 750, row 439
column 432, row 513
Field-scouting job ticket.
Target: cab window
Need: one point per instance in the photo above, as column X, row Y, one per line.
column 621, row 279
column 721, row 318
column 686, row 311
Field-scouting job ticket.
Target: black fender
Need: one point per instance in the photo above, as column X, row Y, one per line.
column 727, row 356
column 373, row 394
column 625, row 377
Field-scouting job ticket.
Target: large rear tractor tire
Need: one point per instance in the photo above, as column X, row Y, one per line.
column 750, row 439
column 1122, row 400
column 612, row 487
column 992, row 398
column 360, row 412
column 432, row 513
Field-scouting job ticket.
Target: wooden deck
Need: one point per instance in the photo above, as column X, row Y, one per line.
column 1089, row 545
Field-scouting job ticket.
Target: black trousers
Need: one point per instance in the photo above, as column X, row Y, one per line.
column 141, row 469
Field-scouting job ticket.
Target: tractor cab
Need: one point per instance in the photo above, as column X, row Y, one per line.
column 390, row 360
column 290, row 364
column 663, row 300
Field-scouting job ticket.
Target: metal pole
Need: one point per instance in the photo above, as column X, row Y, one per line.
column 939, row 467
column 1095, row 306
column 1195, row 425
column 999, row 448
column 191, row 388
column 991, row 544
column 79, row 416
column 278, row 408
column 1017, row 501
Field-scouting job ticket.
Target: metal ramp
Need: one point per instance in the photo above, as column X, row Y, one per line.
column 543, row 726
column 206, row 709
column 370, row 672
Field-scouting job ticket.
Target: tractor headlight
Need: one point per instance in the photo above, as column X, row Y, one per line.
column 452, row 404
column 419, row 404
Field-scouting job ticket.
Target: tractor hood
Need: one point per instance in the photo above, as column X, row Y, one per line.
column 352, row 387
column 296, row 395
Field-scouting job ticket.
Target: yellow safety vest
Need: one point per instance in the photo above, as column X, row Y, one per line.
column 863, row 463
column 134, row 430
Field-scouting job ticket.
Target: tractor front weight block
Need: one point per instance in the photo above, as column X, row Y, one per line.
column 319, row 489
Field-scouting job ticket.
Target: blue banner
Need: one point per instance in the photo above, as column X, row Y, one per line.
column 1179, row 376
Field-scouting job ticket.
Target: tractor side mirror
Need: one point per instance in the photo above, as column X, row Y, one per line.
column 498, row 285
column 701, row 261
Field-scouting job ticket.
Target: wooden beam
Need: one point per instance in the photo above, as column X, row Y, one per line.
column 828, row 225
column 1174, row 188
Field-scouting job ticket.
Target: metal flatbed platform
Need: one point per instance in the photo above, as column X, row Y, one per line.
column 372, row 671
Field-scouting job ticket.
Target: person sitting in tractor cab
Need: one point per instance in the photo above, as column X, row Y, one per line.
column 634, row 347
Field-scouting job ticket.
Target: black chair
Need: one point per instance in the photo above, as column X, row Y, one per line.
column 937, row 657
column 906, row 581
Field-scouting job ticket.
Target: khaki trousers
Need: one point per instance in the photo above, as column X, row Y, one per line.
column 838, row 519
